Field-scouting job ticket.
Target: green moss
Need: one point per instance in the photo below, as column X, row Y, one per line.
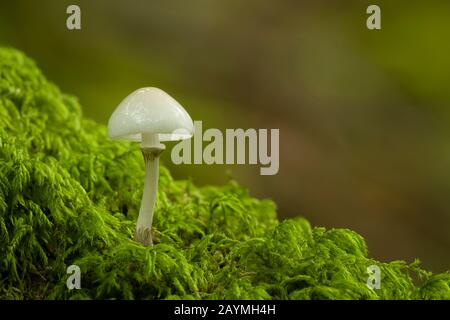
column 69, row 195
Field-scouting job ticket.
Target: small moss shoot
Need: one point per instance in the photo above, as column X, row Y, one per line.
column 69, row 195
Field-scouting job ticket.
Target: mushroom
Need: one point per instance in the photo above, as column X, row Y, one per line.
column 149, row 115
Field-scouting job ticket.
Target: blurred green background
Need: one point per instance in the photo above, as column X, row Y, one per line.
column 363, row 115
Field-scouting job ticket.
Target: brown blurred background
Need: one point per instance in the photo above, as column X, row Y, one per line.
column 363, row 115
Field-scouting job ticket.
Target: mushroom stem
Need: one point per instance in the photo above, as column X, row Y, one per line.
column 144, row 223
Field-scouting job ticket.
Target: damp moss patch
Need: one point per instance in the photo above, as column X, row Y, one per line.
column 70, row 196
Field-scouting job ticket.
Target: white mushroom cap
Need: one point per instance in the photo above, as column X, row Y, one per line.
column 150, row 112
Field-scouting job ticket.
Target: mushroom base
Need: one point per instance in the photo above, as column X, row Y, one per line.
column 144, row 236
